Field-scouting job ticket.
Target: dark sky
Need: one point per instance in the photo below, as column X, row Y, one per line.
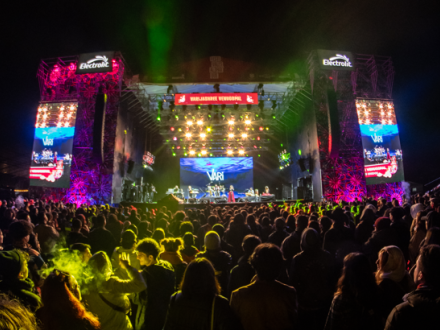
column 155, row 34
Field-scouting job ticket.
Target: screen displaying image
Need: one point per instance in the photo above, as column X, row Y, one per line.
column 203, row 173
column 380, row 140
column 53, row 143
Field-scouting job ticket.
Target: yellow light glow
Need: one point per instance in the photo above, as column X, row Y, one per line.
column 247, row 122
column 203, row 152
column 208, row 129
column 231, row 135
column 231, row 122
column 192, row 152
column 241, row 152
column 188, row 135
column 202, row 135
column 229, row 152
column 244, row 135
column 199, row 122
column 189, row 122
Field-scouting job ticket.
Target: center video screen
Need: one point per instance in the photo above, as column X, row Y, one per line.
column 381, row 143
column 201, row 173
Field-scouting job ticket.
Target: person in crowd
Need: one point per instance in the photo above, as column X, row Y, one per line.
column 14, row 278
column 356, row 303
column 266, row 303
column 100, row 238
column 172, row 254
column 160, row 279
column 189, row 251
column 62, row 305
column 290, row 223
column 401, row 229
column 236, row 232
column 83, row 252
column 144, row 230
column 75, row 235
column 158, row 235
column 47, row 235
column 255, row 227
column 382, row 207
column 127, row 251
column 365, row 227
column 432, row 236
column 224, row 246
column 392, row 277
column 312, row 273
column 280, row 233
column 107, row 295
column 199, row 305
column 212, row 220
column 267, row 228
column 420, row 308
column 291, row 246
column 221, row 260
column 243, row 273
column 14, row 316
column 418, row 233
column 325, row 223
column 114, row 226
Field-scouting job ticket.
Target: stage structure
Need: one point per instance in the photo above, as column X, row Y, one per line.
column 302, row 129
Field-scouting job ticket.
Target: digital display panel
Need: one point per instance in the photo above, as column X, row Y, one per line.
column 202, row 173
column 380, row 140
column 53, row 143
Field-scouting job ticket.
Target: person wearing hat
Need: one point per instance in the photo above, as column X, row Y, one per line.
column 221, row 260
column 14, row 278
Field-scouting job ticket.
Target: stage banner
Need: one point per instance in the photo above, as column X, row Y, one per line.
column 216, row 98
column 95, row 62
column 380, row 140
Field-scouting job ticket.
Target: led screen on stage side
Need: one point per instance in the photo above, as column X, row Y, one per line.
column 53, row 143
column 380, row 140
column 199, row 173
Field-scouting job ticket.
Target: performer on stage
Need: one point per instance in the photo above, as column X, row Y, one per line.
column 388, row 155
column 266, row 191
column 216, row 191
column 55, row 158
column 231, row 198
column 250, row 192
column 152, row 193
column 257, row 195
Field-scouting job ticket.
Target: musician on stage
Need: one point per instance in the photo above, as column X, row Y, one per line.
column 266, row 191
column 257, row 195
column 216, row 191
column 250, row 192
column 231, row 198
column 152, row 192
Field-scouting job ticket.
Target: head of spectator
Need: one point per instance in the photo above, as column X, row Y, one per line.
column 396, row 214
column 42, row 218
column 280, row 224
column 185, row 227
column 99, row 221
column 427, row 271
column 143, row 228
column 390, row 264
column 432, row 236
column 19, row 232
column 100, row 267
column 62, row 306
column 239, row 219
column 315, row 225
column 212, row 241
column 128, row 239
column 310, row 240
column 382, row 223
column 250, row 220
column 199, row 280
column 250, row 242
column 301, row 223
column 158, row 235
column 188, row 239
column 325, row 224
column 268, row 261
column 82, row 250
column 219, row 229
column 147, row 252
column 14, row 316
column 432, row 219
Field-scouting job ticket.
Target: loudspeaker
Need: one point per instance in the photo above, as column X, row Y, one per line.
column 98, row 127
column 301, row 164
column 311, row 164
column 334, row 135
column 130, row 166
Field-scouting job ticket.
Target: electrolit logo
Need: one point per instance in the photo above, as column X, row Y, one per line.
column 338, row 60
column 97, row 62
column 216, row 176
column 48, row 142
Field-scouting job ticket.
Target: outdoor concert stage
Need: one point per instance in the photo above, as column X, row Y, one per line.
column 325, row 131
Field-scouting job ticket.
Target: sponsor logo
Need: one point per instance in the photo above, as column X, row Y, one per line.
column 377, row 138
column 216, row 176
column 97, row 62
column 48, row 142
column 249, row 99
column 338, row 60
column 182, row 99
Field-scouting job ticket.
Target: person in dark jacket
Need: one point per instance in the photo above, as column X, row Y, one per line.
column 243, row 273
column 312, row 273
column 382, row 236
column 221, row 260
column 236, row 232
column 280, row 233
column 224, row 246
column 421, row 307
column 160, row 279
column 199, row 305
column 401, row 229
column 75, row 236
column 100, row 238
column 292, row 244
column 365, row 227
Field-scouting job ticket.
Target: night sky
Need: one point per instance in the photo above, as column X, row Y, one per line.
column 153, row 35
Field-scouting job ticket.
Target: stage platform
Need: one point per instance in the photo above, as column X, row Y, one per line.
column 185, row 206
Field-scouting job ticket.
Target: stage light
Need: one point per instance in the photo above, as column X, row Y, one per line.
column 241, row 152
column 172, row 129
column 185, row 154
column 66, row 124
column 199, row 122
column 36, row 125
column 258, row 155
column 189, row 122
column 177, row 117
column 158, row 118
column 229, row 152
column 198, row 154
column 180, row 130
column 188, row 135
column 208, row 129
column 192, row 152
column 45, row 116
column 244, row 135
column 267, row 128
column 72, row 107
column 174, row 154
column 261, row 128
column 255, row 147
column 231, row 135
column 299, row 152
column 274, row 117
column 281, row 145
column 231, row 122
column 202, row 135
column 58, row 124
column 203, row 152
column 258, row 138
column 247, row 122
column 178, row 147
column 210, row 155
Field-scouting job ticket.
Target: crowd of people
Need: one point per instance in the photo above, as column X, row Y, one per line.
column 370, row 264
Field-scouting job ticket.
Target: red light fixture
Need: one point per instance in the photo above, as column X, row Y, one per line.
column 258, row 138
column 172, row 129
column 261, row 128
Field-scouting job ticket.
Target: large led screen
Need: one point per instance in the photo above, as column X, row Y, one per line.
column 200, row 173
column 53, row 143
column 380, row 140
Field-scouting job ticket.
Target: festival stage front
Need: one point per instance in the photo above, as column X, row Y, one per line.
column 326, row 131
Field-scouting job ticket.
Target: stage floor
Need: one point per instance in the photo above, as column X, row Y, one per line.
column 184, row 206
